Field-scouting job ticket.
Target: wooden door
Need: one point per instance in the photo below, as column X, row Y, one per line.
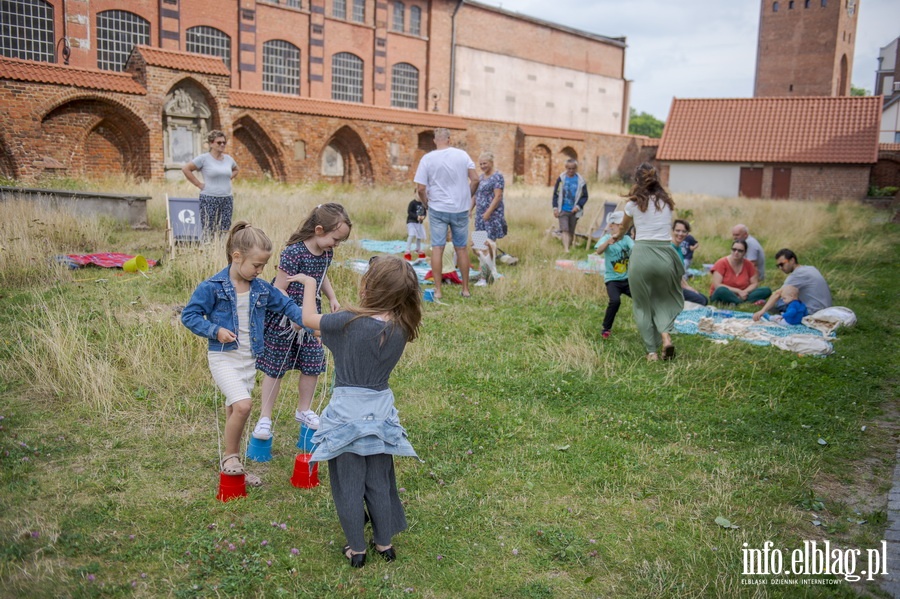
column 750, row 182
column 781, row 183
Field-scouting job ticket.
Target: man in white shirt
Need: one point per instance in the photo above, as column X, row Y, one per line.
column 445, row 182
column 754, row 249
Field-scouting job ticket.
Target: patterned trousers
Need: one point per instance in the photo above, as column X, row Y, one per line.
column 215, row 214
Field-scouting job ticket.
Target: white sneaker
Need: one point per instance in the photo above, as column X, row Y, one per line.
column 307, row 417
column 263, row 430
column 481, row 283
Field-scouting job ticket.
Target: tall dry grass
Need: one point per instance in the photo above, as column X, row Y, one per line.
column 110, row 355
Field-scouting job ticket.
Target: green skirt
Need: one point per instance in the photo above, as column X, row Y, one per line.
column 654, row 275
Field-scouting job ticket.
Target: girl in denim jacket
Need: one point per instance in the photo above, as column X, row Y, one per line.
column 360, row 433
column 229, row 309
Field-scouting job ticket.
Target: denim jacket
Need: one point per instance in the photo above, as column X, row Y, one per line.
column 361, row 421
column 214, row 306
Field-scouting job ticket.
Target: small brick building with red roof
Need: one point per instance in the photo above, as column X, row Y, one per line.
column 804, row 148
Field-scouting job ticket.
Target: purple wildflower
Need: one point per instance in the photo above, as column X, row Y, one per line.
column 264, row 543
column 295, row 551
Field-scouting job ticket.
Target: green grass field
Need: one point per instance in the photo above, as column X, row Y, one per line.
column 556, row 464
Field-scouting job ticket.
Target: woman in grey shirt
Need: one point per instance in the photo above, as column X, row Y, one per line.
column 216, row 199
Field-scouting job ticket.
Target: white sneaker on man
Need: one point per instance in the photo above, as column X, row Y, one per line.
column 307, row 417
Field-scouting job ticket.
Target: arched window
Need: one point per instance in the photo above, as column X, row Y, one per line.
column 415, row 20
column 118, row 32
column 346, row 77
column 404, row 86
column 339, row 9
column 27, row 30
column 281, row 67
column 774, row 7
column 399, row 16
column 359, row 11
column 209, row 41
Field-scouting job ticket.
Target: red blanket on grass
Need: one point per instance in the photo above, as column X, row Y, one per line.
column 106, row 259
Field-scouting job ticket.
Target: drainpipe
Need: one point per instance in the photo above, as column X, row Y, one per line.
column 453, row 55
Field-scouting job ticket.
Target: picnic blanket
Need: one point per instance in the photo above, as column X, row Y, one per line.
column 104, row 260
column 724, row 325
column 385, row 247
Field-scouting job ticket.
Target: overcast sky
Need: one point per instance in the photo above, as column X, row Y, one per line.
column 698, row 49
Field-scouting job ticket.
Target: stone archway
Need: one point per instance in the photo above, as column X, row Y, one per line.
column 93, row 137
column 253, row 150
column 186, row 120
column 539, row 166
column 345, row 158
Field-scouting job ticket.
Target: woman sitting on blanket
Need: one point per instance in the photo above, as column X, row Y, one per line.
column 735, row 280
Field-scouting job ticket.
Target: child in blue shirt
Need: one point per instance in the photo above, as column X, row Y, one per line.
column 795, row 309
column 616, row 275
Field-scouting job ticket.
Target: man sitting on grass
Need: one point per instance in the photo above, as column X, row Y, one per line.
column 812, row 288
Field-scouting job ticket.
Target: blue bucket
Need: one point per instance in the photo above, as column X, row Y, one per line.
column 304, row 442
column 258, row 450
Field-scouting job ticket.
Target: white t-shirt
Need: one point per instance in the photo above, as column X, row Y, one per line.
column 216, row 174
column 652, row 225
column 445, row 175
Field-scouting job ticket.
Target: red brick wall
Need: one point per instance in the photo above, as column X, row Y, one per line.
column 800, row 50
column 493, row 31
column 887, row 172
column 827, row 182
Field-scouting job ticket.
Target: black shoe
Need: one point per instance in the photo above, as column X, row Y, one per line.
column 357, row 560
column 388, row 554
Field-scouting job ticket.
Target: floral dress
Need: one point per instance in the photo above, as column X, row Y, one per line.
column 301, row 351
column 484, row 195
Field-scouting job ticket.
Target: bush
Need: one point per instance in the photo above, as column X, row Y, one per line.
column 882, row 192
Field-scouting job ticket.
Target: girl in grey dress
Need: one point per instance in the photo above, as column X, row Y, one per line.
column 359, row 430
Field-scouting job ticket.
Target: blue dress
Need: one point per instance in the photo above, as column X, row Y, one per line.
column 495, row 226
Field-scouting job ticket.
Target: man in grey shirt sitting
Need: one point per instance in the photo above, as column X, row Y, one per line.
column 813, row 289
column 755, row 252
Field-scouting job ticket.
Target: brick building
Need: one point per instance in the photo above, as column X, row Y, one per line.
column 341, row 90
column 803, row 148
column 805, row 47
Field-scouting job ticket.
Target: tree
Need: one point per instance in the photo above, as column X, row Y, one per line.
column 859, row 91
column 645, row 124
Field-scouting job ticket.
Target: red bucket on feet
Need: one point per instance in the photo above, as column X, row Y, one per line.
column 303, row 477
column 231, row 486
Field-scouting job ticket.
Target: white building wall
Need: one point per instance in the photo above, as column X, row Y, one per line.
column 705, row 178
column 533, row 93
column 890, row 125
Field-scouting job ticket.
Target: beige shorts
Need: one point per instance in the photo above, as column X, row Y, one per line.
column 234, row 372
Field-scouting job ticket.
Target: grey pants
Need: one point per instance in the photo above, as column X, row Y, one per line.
column 654, row 275
column 361, row 484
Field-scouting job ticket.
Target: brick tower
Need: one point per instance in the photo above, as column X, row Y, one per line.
column 805, row 47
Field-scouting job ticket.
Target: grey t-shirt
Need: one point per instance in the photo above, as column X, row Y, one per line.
column 756, row 256
column 814, row 291
column 216, row 174
column 365, row 350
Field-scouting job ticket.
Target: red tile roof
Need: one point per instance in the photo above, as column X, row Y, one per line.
column 889, row 147
column 650, row 142
column 183, row 61
column 538, row 131
column 836, row 130
column 46, row 72
column 344, row 110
